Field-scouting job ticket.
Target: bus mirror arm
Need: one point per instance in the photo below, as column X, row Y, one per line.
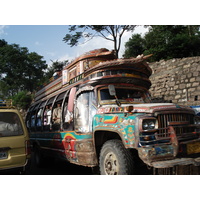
column 117, row 101
column 112, row 92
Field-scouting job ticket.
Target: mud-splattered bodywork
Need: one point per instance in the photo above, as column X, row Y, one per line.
column 164, row 135
column 174, row 139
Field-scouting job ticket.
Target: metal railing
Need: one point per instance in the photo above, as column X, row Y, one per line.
column 6, row 103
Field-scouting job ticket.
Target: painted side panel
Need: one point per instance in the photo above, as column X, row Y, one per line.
column 124, row 125
column 76, row 148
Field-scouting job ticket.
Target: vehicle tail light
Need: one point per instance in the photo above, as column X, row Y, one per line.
column 28, row 147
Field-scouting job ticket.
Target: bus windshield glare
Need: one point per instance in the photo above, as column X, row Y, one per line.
column 124, row 95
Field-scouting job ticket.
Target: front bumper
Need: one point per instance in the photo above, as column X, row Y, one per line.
column 177, row 161
column 172, row 152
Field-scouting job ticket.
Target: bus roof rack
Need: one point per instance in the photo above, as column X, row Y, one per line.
column 6, row 103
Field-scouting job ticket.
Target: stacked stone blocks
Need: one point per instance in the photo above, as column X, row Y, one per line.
column 176, row 80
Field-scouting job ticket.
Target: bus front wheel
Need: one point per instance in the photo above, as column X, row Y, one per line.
column 115, row 159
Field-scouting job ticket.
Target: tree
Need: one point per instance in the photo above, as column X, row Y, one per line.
column 3, row 90
column 19, row 69
column 112, row 33
column 134, row 47
column 22, row 100
column 166, row 42
column 34, row 73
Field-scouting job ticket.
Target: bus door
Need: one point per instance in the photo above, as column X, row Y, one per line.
column 85, row 109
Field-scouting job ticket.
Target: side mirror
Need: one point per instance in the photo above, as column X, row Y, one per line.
column 112, row 90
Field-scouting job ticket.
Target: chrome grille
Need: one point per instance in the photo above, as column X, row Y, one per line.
column 165, row 119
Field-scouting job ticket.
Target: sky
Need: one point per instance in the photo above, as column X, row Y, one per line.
column 47, row 41
column 41, row 27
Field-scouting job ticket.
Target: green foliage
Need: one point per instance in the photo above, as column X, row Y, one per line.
column 166, row 42
column 105, row 31
column 19, row 69
column 134, row 47
column 22, row 100
column 21, row 73
column 58, row 65
column 3, row 90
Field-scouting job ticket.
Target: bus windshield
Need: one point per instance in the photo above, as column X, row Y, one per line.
column 124, row 95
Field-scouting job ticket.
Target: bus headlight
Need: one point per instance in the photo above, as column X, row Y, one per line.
column 148, row 124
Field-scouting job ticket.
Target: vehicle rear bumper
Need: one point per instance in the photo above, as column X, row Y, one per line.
column 17, row 169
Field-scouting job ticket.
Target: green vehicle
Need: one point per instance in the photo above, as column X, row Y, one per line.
column 98, row 113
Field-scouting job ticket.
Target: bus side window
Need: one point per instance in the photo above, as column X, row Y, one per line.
column 57, row 114
column 39, row 115
column 47, row 114
column 67, row 116
column 67, row 108
column 57, row 121
column 47, row 117
column 33, row 121
column 27, row 120
column 30, row 119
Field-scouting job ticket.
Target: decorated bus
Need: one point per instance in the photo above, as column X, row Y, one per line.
column 98, row 113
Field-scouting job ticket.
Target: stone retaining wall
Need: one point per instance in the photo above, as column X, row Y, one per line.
column 176, row 80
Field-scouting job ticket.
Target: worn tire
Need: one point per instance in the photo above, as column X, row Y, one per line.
column 115, row 159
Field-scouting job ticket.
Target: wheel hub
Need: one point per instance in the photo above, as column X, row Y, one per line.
column 111, row 164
